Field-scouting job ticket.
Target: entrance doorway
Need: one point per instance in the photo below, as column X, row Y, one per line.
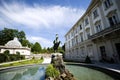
column 103, row 52
column 118, row 49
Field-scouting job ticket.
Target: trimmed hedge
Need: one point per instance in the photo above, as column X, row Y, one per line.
column 6, row 57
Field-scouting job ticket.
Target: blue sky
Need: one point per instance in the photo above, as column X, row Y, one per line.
column 41, row 19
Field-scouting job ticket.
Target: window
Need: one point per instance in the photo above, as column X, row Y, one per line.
column 69, row 44
column 82, row 51
column 76, row 39
column 113, row 20
column 66, row 38
column 86, row 21
column 76, row 31
column 90, row 50
column 103, row 52
column 98, row 27
column 69, row 36
column 107, row 3
column 95, row 13
column 72, row 34
column 72, row 42
column 81, row 37
column 88, row 33
column 80, row 27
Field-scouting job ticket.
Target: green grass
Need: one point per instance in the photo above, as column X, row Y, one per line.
column 32, row 61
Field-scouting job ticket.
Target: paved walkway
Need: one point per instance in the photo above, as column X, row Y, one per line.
column 114, row 67
column 46, row 61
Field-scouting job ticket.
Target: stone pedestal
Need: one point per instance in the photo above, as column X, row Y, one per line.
column 58, row 63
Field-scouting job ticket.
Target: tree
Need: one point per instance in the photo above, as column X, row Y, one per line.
column 8, row 34
column 44, row 50
column 36, row 48
column 26, row 43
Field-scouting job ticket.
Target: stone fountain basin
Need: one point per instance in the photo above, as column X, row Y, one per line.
column 37, row 72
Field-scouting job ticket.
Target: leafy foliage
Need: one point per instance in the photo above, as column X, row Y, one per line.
column 36, row 48
column 8, row 34
column 52, row 72
column 6, row 56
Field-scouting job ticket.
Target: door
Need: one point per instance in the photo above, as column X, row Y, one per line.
column 103, row 52
column 118, row 49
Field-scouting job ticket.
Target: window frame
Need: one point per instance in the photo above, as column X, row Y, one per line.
column 107, row 4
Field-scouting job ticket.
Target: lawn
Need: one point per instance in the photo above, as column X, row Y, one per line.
column 21, row 63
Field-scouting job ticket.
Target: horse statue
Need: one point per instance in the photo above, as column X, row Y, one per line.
column 56, row 43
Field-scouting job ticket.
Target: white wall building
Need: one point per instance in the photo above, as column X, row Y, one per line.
column 96, row 33
column 15, row 46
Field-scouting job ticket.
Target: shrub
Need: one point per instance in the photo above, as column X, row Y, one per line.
column 42, row 58
column 112, row 60
column 33, row 57
column 2, row 58
column 18, row 55
column 6, row 52
column 22, row 56
column 52, row 72
column 88, row 60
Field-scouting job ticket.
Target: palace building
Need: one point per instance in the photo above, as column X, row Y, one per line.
column 96, row 34
column 15, row 46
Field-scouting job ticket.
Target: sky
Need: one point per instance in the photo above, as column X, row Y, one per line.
column 41, row 20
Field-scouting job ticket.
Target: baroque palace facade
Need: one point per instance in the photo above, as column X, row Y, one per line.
column 96, row 34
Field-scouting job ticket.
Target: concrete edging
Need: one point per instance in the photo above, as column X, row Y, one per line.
column 17, row 67
column 114, row 74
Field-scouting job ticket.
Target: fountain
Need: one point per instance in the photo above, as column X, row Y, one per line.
column 67, row 71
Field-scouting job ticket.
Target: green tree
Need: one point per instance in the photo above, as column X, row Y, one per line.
column 26, row 43
column 44, row 50
column 36, row 48
column 8, row 34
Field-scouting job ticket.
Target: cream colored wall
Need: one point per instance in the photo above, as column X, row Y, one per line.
column 110, row 48
column 13, row 51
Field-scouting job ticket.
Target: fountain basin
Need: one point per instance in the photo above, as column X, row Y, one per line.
column 37, row 72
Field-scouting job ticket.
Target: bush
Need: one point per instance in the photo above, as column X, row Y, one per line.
column 112, row 60
column 6, row 56
column 88, row 60
column 33, row 57
column 2, row 58
column 22, row 56
column 52, row 72
column 6, row 52
column 42, row 58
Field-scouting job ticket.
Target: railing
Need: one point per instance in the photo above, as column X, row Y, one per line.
column 106, row 31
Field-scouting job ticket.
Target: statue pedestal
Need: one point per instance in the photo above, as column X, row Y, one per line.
column 58, row 63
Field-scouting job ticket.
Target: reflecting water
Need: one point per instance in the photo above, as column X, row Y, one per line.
column 38, row 73
column 30, row 73
column 82, row 73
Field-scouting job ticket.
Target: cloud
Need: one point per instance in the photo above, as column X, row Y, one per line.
column 37, row 17
column 39, row 21
column 43, row 41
